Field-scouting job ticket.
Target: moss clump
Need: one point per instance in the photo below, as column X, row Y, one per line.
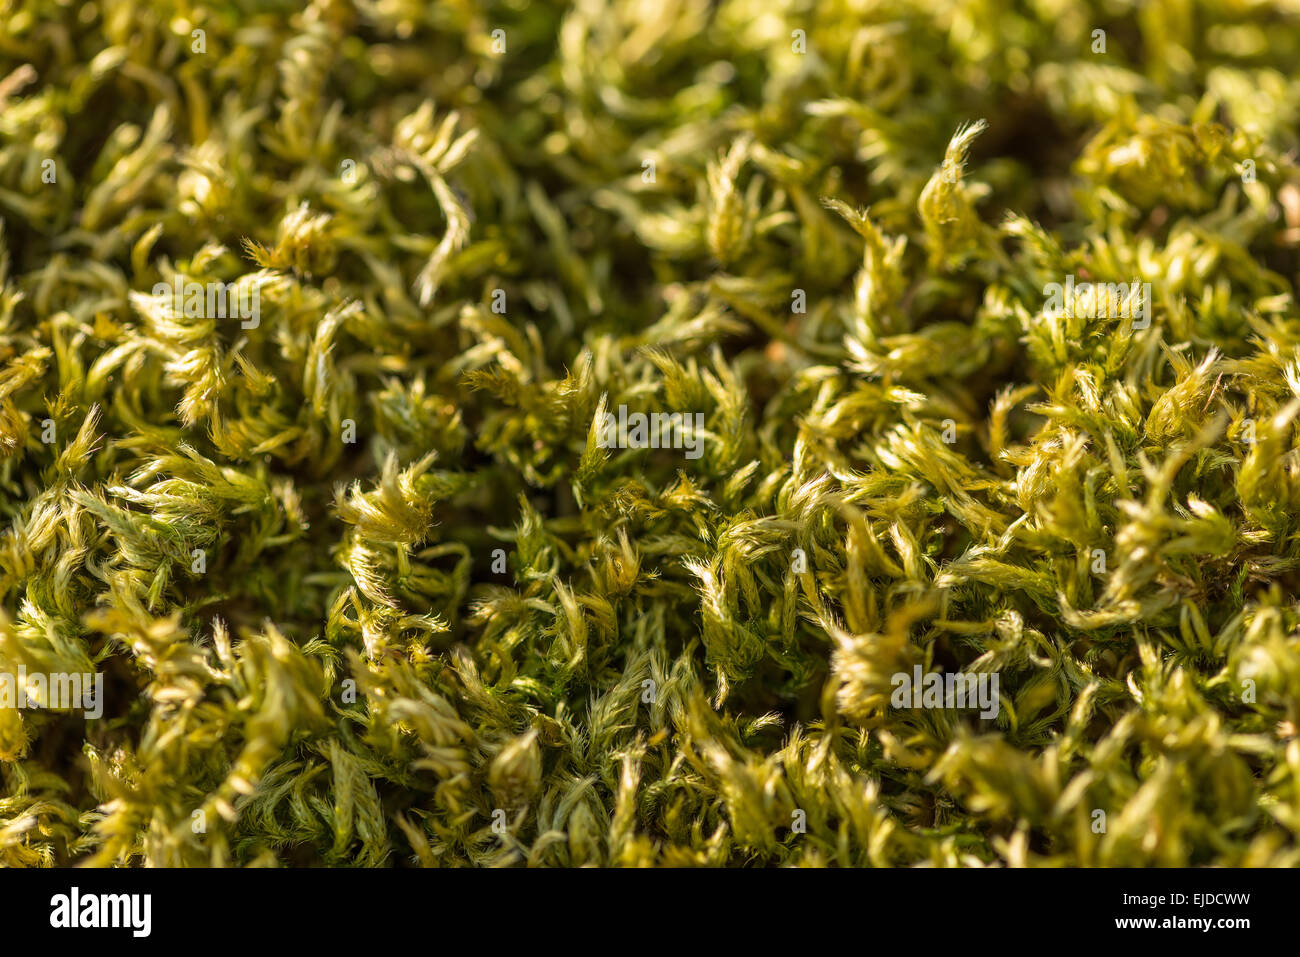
column 367, row 583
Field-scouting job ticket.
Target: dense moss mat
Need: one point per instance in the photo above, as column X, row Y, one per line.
column 362, row 583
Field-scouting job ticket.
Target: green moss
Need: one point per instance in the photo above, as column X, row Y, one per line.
column 365, row 584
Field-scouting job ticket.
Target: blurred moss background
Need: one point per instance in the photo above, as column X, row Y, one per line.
column 366, row 590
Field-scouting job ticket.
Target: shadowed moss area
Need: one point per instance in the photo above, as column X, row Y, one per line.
column 313, row 320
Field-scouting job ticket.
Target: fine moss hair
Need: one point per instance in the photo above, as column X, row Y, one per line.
column 367, row 583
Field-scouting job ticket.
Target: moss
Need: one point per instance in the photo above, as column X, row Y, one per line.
column 370, row 578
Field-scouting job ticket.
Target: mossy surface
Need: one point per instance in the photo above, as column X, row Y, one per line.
column 365, row 588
